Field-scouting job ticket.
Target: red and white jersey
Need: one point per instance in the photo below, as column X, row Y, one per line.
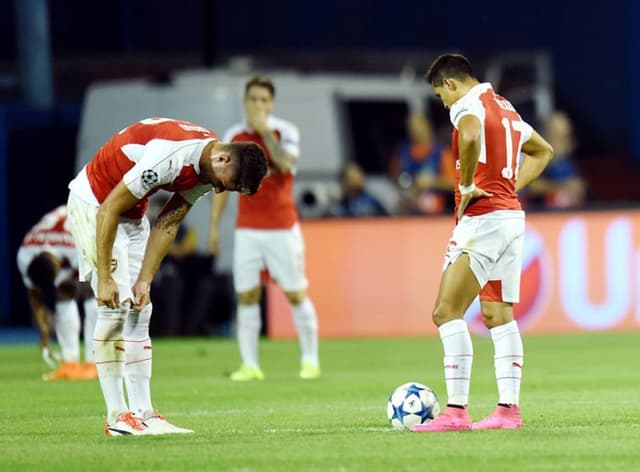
column 503, row 134
column 272, row 206
column 49, row 235
column 152, row 154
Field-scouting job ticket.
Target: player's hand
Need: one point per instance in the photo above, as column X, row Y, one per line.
column 214, row 240
column 141, row 295
column 108, row 293
column 52, row 358
column 258, row 121
column 466, row 199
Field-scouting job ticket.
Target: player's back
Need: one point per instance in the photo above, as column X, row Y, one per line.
column 503, row 133
column 111, row 162
column 50, row 230
column 48, row 235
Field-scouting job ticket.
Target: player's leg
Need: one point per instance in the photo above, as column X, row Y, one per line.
column 497, row 299
column 67, row 328
column 137, row 342
column 108, row 340
column 247, row 264
column 90, row 308
column 306, row 323
column 466, row 267
column 66, row 323
column 284, row 258
column 110, row 348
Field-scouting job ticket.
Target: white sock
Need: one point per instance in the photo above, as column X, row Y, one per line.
column 90, row 306
column 67, row 326
column 458, row 357
column 508, row 361
column 248, row 327
column 137, row 366
column 108, row 349
column 306, row 321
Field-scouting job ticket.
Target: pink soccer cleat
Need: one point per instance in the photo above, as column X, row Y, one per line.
column 504, row 417
column 452, row 419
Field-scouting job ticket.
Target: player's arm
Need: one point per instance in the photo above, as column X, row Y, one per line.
column 538, row 154
column 469, row 140
column 469, row 134
column 163, row 233
column 283, row 160
column 41, row 317
column 117, row 202
column 218, row 204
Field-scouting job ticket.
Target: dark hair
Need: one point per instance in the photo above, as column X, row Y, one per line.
column 252, row 165
column 260, row 81
column 455, row 66
column 42, row 272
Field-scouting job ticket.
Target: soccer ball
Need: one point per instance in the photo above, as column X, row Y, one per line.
column 411, row 404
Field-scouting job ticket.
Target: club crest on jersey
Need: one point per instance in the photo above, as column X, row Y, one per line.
column 149, row 177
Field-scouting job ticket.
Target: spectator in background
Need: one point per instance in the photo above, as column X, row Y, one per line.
column 560, row 185
column 423, row 169
column 355, row 201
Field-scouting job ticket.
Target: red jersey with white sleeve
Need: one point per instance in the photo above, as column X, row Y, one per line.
column 272, row 206
column 503, row 133
column 152, row 154
column 49, row 235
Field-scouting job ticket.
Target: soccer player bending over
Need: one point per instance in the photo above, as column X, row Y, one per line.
column 120, row 254
column 484, row 256
column 48, row 263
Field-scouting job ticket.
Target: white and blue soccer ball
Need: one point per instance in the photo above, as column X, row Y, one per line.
column 411, row 404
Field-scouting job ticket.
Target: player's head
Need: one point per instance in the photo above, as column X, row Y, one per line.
column 259, row 94
column 451, row 76
column 42, row 272
column 236, row 167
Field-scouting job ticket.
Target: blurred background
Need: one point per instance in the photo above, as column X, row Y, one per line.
column 350, row 75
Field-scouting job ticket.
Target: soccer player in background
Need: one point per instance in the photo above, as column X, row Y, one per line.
column 484, row 255
column 120, row 254
column 48, row 262
column 268, row 235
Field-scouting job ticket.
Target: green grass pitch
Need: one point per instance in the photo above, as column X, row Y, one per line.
column 580, row 404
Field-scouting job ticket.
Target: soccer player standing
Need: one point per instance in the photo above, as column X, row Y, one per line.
column 120, row 254
column 484, row 255
column 268, row 235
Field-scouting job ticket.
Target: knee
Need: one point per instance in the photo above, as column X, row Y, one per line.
column 250, row 297
column 495, row 314
column 296, row 298
column 443, row 313
column 490, row 319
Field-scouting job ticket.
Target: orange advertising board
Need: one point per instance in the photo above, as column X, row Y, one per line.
column 379, row 277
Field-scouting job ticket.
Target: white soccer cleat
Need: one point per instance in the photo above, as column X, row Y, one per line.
column 126, row 425
column 158, row 424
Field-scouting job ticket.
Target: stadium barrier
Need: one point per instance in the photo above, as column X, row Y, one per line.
column 375, row 278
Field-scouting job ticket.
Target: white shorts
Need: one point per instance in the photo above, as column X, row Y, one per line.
column 281, row 252
column 128, row 247
column 494, row 243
